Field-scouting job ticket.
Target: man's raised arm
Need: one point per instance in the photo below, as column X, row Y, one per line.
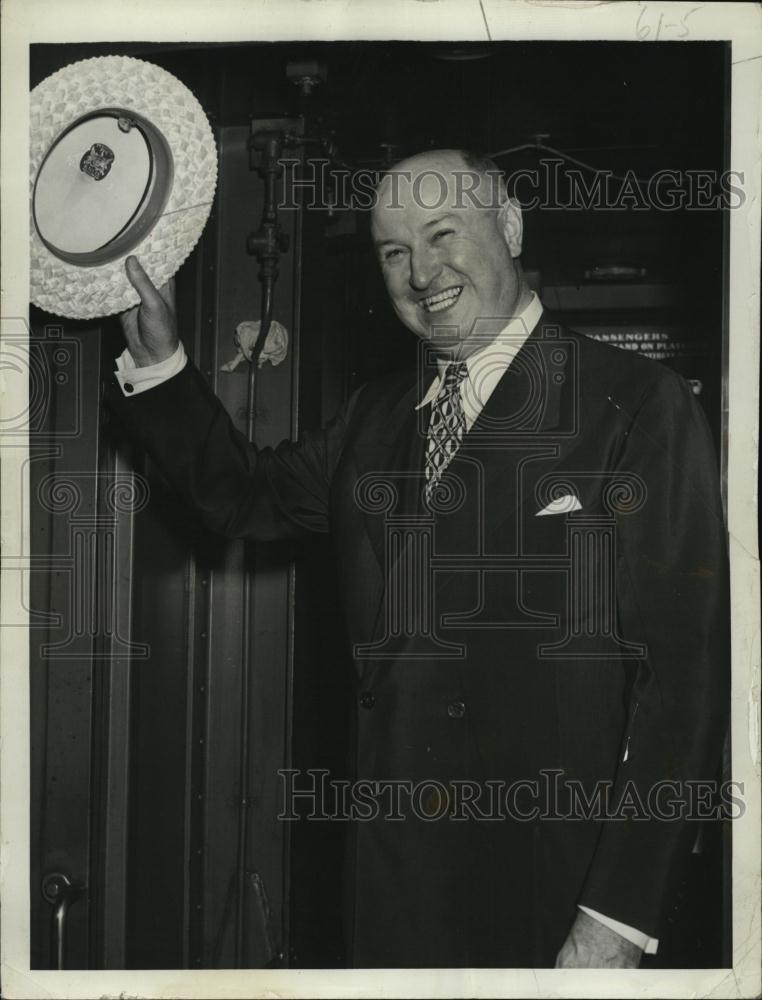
column 237, row 489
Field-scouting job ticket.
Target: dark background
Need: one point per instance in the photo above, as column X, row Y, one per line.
column 137, row 763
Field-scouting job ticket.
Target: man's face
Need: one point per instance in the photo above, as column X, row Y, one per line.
column 448, row 263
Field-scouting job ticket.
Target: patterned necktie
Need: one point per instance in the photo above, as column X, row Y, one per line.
column 446, row 427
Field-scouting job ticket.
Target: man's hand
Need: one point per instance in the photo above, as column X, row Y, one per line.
column 592, row 945
column 150, row 328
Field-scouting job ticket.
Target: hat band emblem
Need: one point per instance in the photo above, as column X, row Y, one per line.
column 97, row 161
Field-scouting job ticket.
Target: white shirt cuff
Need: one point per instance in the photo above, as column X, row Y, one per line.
column 133, row 380
column 636, row 937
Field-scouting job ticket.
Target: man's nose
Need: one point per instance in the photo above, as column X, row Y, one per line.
column 424, row 268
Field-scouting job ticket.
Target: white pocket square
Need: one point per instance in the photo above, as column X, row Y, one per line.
column 561, row 505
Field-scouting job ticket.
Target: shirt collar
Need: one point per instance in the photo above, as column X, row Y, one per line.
column 506, row 344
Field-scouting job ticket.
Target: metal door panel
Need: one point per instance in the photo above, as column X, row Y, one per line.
column 234, row 928
column 62, row 505
column 138, row 725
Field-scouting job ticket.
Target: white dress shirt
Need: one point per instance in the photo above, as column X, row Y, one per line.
column 485, row 369
column 133, row 380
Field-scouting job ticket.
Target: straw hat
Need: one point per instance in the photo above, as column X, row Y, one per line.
column 123, row 161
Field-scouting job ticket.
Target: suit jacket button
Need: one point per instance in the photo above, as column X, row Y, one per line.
column 367, row 700
column 456, row 710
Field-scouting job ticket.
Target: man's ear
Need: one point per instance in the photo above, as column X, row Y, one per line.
column 511, row 225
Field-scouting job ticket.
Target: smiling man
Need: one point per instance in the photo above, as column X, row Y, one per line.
column 568, row 653
column 449, row 252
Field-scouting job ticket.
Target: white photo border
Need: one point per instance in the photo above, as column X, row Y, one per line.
column 35, row 21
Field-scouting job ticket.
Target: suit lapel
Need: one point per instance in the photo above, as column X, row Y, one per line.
column 529, row 423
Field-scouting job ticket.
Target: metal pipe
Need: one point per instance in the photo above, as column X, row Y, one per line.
column 59, row 890
column 243, row 767
column 266, row 244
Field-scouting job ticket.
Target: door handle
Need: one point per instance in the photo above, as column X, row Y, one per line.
column 59, row 890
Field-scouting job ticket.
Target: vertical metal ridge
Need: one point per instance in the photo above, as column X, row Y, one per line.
column 288, row 707
column 199, row 605
column 246, row 666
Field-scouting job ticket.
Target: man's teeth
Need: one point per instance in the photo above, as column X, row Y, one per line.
column 442, row 300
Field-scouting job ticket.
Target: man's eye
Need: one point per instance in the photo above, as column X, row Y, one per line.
column 388, row 254
column 442, row 232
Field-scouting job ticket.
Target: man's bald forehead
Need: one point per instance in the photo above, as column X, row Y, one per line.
column 443, row 179
column 432, row 159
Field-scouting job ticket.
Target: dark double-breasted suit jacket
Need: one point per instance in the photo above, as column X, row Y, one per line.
column 495, row 644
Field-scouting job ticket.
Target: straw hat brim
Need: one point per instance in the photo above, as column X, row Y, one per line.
column 148, row 91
